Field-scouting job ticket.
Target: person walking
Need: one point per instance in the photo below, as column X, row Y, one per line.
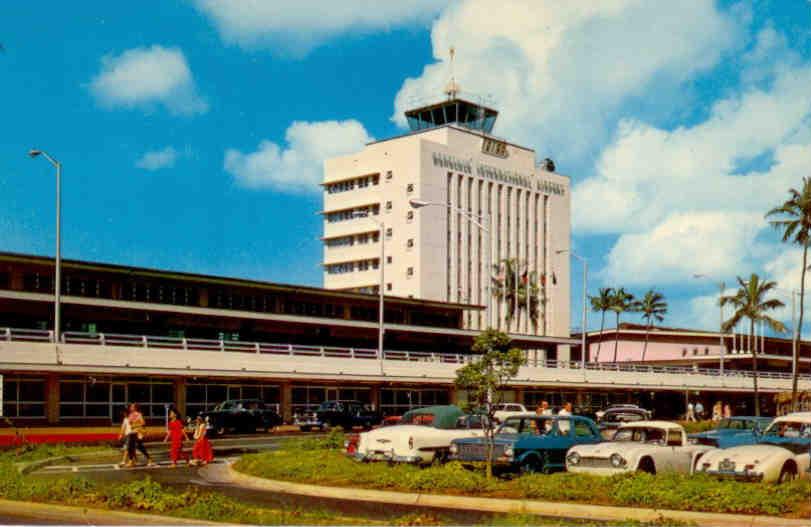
column 717, row 411
column 175, row 435
column 202, row 452
column 138, row 429
column 124, row 436
column 691, row 415
column 699, row 411
column 727, row 411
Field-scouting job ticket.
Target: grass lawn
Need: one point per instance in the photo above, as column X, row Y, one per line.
column 323, row 464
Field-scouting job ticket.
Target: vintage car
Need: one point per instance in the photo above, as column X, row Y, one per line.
column 733, row 431
column 505, row 410
column 781, row 454
column 530, row 442
column 645, row 446
column 241, row 415
column 347, row 415
column 609, row 420
column 422, row 436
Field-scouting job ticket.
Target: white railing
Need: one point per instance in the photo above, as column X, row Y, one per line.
column 188, row 344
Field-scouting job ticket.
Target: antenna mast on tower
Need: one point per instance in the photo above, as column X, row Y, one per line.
column 452, row 89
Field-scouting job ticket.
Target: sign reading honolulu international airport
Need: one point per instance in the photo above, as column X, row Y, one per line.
column 512, row 177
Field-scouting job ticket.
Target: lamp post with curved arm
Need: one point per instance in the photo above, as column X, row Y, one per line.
column 418, row 203
column 381, row 328
column 58, row 257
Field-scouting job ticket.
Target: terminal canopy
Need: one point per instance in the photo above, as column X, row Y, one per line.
column 453, row 111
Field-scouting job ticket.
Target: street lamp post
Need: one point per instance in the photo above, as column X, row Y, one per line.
column 721, row 289
column 418, row 203
column 585, row 311
column 381, row 328
column 58, row 259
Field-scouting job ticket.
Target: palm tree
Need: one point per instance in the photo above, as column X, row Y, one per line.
column 621, row 301
column 529, row 286
column 795, row 223
column 653, row 308
column 505, row 286
column 600, row 304
column 750, row 302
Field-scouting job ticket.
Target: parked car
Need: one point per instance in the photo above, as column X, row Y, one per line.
column 422, row 436
column 352, row 439
column 644, row 446
column 347, row 415
column 505, row 410
column 530, row 442
column 610, row 419
column 781, row 454
column 733, row 431
column 623, row 406
column 306, row 421
column 241, row 415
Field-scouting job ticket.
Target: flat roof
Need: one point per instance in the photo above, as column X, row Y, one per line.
column 229, row 281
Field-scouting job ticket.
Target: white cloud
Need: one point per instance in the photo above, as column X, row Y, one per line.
column 297, row 168
column 147, row 77
column 300, row 26
column 560, row 71
column 683, row 244
column 158, row 159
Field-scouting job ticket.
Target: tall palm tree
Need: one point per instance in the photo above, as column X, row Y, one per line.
column 528, row 285
column 794, row 220
column 750, row 302
column 621, row 302
column 505, row 286
column 600, row 304
column 653, row 308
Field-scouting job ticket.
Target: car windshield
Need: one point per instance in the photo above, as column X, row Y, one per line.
column 527, row 425
column 790, row 429
column 418, row 419
column 330, row 406
column 735, row 424
column 225, row 405
column 655, row 436
column 622, row 417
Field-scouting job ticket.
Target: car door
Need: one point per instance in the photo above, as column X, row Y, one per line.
column 558, row 440
column 679, row 456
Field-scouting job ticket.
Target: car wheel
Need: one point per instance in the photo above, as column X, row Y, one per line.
column 529, row 466
column 787, row 473
column 646, row 465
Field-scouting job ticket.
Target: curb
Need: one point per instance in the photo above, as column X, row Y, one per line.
column 513, row 506
column 63, row 514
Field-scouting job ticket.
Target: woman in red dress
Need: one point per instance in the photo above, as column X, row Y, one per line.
column 202, row 452
column 175, row 435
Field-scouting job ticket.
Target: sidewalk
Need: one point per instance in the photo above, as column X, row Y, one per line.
column 30, row 512
column 80, row 434
column 564, row 510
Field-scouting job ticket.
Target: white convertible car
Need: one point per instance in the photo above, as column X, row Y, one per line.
column 781, row 453
column 422, row 436
column 646, row 446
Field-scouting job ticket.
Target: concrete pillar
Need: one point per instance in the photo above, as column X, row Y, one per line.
column 519, row 395
column 374, row 397
column 453, row 396
column 286, row 401
column 179, row 395
column 52, row 398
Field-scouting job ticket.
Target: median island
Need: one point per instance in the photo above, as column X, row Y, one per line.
column 322, row 462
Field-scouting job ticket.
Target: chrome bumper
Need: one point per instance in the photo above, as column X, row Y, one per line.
column 385, row 456
column 731, row 474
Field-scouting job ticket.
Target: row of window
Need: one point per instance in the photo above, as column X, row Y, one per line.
column 348, row 267
column 348, row 241
column 351, row 184
column 350, row 214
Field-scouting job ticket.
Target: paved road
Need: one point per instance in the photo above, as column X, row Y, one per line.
column 104, row 469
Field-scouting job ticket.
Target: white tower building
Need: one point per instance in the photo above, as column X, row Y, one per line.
column 451, row 162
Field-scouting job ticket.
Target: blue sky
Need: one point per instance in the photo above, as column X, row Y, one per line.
column 191, row 132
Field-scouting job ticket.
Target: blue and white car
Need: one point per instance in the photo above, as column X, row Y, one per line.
column 733, row 431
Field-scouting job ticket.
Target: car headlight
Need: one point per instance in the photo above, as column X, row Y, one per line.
column 454, row 448
column 617, row 461
column 509, row 452
column 573, row 458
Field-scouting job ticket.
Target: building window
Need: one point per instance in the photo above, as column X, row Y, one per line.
column 409, row 215
column 388, row 205
column 410, row 271
column 410, row 188
column 388, row 259
column 389, row 232
column 388, row 286
column 410, row 243
column 389, row 175
column 24, row 397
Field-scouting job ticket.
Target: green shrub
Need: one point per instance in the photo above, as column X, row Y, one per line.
column 564, row 486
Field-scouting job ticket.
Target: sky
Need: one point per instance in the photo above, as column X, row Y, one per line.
column 192, row 133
